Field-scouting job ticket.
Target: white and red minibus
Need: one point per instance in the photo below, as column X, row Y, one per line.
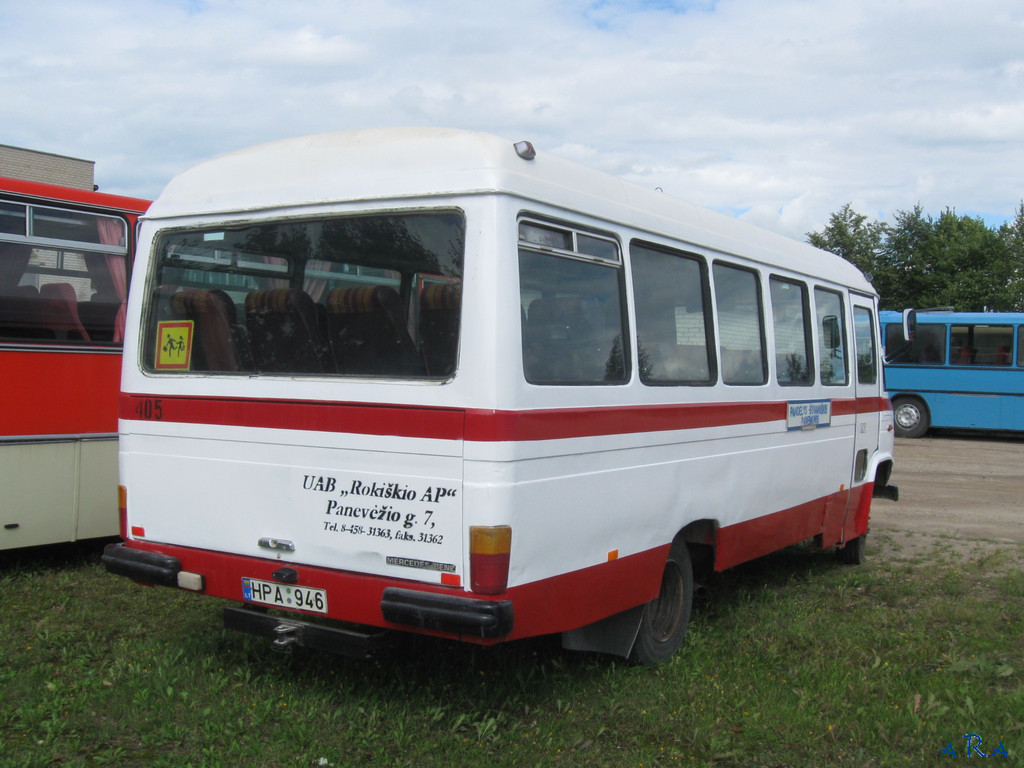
column 64, row 264
column 436, row 381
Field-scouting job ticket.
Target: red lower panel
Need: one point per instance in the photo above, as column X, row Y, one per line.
column 556, row 604
column 838, row 517
column 560, row 603
column 860, row 506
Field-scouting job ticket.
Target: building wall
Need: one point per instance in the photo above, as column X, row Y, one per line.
column 29, row 165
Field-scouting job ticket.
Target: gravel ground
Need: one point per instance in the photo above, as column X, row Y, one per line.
column 959, row 486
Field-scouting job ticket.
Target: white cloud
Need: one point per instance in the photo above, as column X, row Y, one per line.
column 779, row 111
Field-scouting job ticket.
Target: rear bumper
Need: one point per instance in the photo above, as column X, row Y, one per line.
column 142, row 565
column 447, row 613
column 416, row 609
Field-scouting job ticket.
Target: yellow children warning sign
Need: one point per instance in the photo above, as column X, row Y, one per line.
column 174, row 345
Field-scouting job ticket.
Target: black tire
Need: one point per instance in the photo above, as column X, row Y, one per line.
column 853, row 552
column 910, row 417
column 666, row 618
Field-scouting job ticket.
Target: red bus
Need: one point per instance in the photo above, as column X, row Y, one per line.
column 65, row 255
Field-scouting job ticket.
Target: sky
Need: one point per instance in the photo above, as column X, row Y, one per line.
column 777, row 112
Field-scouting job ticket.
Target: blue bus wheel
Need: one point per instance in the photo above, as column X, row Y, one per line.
column 910, row 416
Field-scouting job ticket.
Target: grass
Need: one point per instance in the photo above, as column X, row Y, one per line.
column 793, row 660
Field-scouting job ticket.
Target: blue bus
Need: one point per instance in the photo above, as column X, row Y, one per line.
column 961, row 370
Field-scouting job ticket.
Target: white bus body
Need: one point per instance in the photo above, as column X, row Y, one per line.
column 427, row 380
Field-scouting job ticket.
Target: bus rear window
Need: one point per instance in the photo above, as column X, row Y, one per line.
column 356, row 296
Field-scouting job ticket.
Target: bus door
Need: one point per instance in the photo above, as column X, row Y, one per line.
column 868, row 388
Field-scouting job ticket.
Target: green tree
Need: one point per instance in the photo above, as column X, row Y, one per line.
column 849, row 234
column 920, row 261
column 906, row 240
column 1012, row 235
column 967, row 266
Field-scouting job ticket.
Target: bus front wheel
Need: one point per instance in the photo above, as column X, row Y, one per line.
column 853, row 552
column 910, row 416
column 665, row 619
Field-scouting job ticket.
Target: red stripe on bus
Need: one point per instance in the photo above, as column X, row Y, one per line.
column 354, row 418
column 456, row 424
column 560, row 423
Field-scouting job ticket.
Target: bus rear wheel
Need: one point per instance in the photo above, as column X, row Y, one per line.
column 666, row 618
column 910, row 416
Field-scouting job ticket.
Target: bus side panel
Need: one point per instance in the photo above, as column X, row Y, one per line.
column 39, row 507
column 576, row 503
column 1017, row 416
column 960, row 397
column 59, row 476
column 964, row 410
column 97, row 489
column 60, row 393
column 860, row 504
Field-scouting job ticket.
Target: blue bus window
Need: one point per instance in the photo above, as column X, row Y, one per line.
column 928, row 346
column 980, row 344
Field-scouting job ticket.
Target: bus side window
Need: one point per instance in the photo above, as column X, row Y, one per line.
column 575, row 327
column 740, row 325
column 981, row 344
column 60, row 295
column 927, row 348
column 672, row 329
column 864, row 336
column 571, row 336
column 793, row 346
column 832, row 336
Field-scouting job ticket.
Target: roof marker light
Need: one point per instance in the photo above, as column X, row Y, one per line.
column 525, row 150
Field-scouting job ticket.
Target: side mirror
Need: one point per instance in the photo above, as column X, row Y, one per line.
column 909, row 324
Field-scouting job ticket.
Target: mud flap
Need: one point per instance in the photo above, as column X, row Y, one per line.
column 614, row 635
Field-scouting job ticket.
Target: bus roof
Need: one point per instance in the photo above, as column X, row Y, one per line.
column 972, row 318
column 404, row 163
column 43, row 191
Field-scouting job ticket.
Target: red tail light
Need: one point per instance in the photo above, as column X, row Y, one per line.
column 489, row 550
